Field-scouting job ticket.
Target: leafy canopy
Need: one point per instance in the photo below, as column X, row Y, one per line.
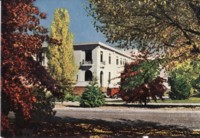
column 22, row 38
column 139, row 72
column 140, row 81
column 180, row 87
column 61, row 61
column 184, row 79
column 170, row 28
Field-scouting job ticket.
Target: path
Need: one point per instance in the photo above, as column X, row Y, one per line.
column 179, row 118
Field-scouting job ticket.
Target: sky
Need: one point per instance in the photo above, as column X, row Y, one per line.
column 80, row 24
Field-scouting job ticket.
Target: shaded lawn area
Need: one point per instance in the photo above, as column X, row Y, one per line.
column 71, row 127
column 190, row 100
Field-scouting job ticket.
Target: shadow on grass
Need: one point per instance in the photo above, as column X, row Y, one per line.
column 72, row 127
column 151, row 106
column 135, row 105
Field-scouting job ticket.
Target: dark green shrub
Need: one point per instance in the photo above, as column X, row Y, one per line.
column 196, row 86
column 92, row 96
column 180, row 88
column 44, row 104
column 71, row 97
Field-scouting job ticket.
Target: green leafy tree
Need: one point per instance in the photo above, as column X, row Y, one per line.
column 196, row 80
column 92, row 96
column 62, row 63
column 196, row 86
column 166, row 26
column 184, row 79
column 180, row 88
column 140, row 81
column 139, row 72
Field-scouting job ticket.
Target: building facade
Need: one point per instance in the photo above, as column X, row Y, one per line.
column 95, row 60
column 101, row 61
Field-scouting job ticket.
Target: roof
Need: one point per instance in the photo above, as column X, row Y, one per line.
column 104, row 46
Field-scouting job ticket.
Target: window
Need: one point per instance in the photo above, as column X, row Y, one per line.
column 117, row 61
column 88, row 75
column 101, row 78
column 120, row 61
column 109, row 78
column 101, row 58
column 109, row 59
column 88, row 55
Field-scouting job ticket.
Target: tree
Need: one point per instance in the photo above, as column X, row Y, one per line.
column 140, row 81
column 22, row 39
column 61, row 58
column 196, row 85
column 196, row 80
column 92, row 96
column 169, row 27
column 183, row 78
column 180, row 88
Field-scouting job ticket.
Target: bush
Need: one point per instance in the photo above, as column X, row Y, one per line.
column 92, row 96
column 71, row 97
column 44, row 105
column 180, row 88
column 196, row 86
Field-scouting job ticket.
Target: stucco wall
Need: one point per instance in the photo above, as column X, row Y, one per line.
column 97, row 66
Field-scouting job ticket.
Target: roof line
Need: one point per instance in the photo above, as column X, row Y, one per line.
column 105, row 46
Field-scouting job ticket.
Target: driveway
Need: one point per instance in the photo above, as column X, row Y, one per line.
column 179, row 117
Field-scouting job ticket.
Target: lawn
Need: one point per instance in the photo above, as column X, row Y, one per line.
column 190, row 100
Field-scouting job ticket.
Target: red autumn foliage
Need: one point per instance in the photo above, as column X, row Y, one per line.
column 127, row 70
column 143, row 92
column 22, row 39
column 43, row 15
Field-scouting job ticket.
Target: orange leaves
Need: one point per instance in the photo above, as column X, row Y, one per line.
column 4, row 122
column 35, row 10
column 143, row 92
column 15, row 45
column 33, row 99
column 19, row 70
column 129, row 74
column 43, row 15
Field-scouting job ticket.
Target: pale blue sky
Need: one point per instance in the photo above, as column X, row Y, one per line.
column 80, row 24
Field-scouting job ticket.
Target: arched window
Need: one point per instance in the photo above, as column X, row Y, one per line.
column 101, row 78
column 88, row 75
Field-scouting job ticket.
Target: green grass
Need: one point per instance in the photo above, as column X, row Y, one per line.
column 71, row 97
column 190, row 100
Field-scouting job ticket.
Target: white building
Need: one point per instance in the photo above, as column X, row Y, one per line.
column 95, row 60
column 99, row 60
